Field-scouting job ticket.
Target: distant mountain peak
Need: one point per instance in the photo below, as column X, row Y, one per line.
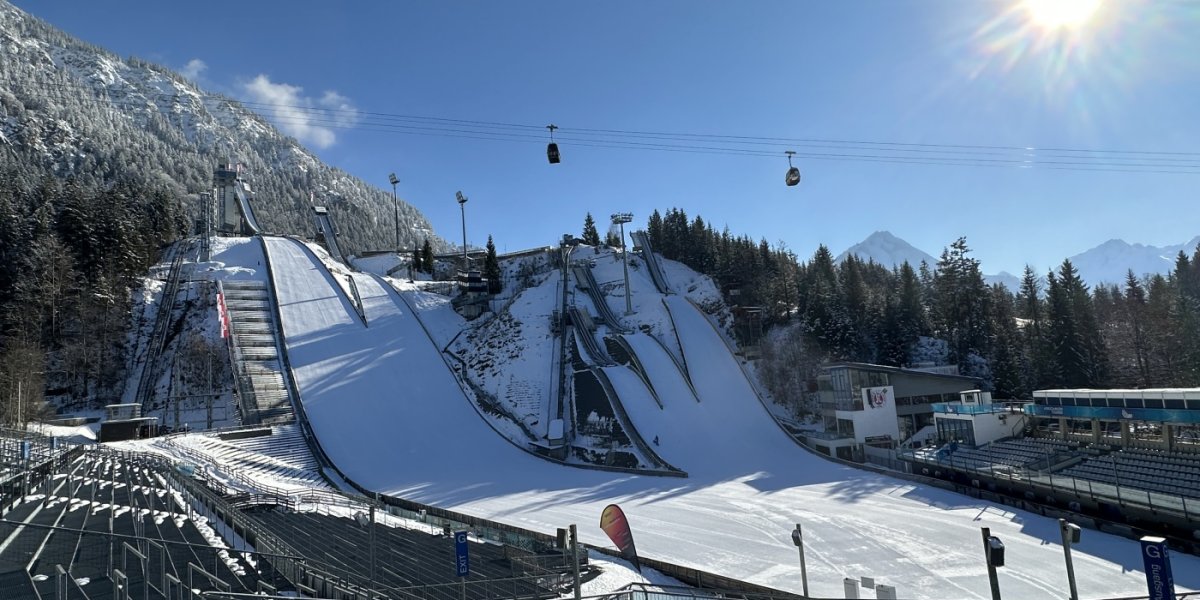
column 1109, row 262
column 888, row 250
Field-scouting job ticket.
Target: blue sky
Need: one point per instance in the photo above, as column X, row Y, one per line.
column 965, row 72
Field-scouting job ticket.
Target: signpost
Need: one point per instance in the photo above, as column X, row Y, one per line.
column 462, row 562
column 1158, row 568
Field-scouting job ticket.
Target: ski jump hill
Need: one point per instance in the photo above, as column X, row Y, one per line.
column 389, row 412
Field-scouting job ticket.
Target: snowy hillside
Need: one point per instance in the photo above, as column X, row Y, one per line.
column 1109, row 262
column 70, row 108
column 387, row 409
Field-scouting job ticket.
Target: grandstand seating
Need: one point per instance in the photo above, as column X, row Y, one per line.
column 1016, row 453
column 405, row 558
column 1151, row 470
column 281, row 458
column 88, row 517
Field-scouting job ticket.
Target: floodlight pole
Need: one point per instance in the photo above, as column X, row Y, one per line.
column 396, row 209
column 621, row 219
column 462, row 204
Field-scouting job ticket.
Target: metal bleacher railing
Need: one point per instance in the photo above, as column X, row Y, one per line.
column 1058, row 467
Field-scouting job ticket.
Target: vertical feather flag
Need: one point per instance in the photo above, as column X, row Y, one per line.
column 614, row 523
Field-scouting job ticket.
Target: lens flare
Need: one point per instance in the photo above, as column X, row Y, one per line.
column 1059, row 14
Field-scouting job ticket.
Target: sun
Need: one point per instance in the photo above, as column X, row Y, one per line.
column 1060, row 14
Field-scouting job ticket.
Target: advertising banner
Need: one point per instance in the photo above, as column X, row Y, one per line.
column 614, row 523
column 223, row 315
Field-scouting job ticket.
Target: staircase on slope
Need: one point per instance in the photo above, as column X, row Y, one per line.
column 254, row 350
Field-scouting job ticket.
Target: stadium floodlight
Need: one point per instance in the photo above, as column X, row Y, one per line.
column 1070, row 535
column 395, row 209
column 462, row 204
column 621, row 219
column 798, row 540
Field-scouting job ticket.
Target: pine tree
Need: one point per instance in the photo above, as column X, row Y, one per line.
column 1134, row 313
column 1004, row 353
column 654, row 229
column 491, row 268
column 417, row 263
column 960, row 302
column 612, row 239
column 1037, row 361
column 427, row 257
column 1073, row 331
column 590, row 236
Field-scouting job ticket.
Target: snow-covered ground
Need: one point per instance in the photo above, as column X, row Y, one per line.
column 392, row 416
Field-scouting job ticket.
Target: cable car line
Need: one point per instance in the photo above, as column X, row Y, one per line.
column 1132, row 161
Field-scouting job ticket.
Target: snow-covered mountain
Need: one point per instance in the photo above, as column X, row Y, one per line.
column 68, row 108
column 891, row 251
column 888, row 250
column 1110, row 261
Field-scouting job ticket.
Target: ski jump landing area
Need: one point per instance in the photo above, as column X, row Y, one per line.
column 390, row 414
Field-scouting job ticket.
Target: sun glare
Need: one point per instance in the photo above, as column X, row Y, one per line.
column 1060, row 14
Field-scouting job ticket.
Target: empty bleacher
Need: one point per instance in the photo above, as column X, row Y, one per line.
column 406, row 559
column 1017, row 453
column 276, row 456
column 102, row 520
column 1150, row 470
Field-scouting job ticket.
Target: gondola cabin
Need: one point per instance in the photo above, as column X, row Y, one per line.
column 552, row 153
column 792, row 177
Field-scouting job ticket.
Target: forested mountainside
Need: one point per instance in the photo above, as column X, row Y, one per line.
column 71, row 109
column 1054, row 331
column 101, row 163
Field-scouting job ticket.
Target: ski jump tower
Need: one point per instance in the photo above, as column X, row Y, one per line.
column 232, row 196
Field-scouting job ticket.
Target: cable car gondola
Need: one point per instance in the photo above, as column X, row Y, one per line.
column 793, row 174
column 552, row 148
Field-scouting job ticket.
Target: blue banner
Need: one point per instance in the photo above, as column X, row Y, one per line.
column 26, row 450
column 1113, row 413
column 1158, row 568
column 462, row 561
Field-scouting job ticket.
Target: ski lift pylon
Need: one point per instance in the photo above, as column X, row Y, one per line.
column 793, row 174
column 552, row 148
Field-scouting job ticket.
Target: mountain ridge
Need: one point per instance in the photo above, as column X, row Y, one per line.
column 72, row 109
column 1105, row 263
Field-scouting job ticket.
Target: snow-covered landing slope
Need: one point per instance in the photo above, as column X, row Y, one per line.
column 392, row 418
column 379, row 398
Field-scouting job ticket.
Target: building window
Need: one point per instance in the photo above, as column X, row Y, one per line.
column 845, row 427
column 956, row 430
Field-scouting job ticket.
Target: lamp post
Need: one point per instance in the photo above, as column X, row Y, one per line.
column 621, row 219
column 1070, row 535
column 462, row 204
column 798, row 540
column 395, row 209
column 993, row 552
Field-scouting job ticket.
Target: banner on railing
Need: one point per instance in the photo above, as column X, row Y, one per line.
column 614, row 523
column 223, row 315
